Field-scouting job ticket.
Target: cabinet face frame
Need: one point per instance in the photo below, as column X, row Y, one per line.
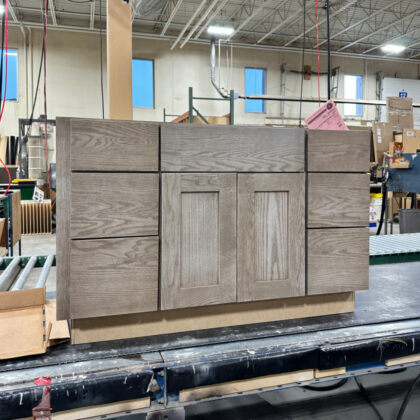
column 198, row 239
column 263, row 251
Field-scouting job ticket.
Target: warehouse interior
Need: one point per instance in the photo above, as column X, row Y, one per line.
column 209, row 209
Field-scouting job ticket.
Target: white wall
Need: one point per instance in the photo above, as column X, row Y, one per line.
column 73, row 78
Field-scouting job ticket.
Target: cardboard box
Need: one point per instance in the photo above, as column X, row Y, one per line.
column 23, row 330
column 399, row 113
column 411, row 140
column 382, row 136
column 28, row 323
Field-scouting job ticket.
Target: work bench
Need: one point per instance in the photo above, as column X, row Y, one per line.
column 178, row 369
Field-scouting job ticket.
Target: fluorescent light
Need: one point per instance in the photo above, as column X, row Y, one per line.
column 220, row 30
column 393, row 48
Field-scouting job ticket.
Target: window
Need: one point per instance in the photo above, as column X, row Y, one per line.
column 11, row 93
column 143, row 83
column 353, row 89
column 254, row 85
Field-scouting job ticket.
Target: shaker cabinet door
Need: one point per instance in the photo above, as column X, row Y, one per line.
column 198, row 248
column 271, row 236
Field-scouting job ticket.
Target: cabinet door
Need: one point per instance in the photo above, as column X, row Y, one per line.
column 198, row 240
column 271, row 236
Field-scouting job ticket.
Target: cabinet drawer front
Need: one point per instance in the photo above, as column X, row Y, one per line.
column 338, row 260
column 113, row 276
column 339, row 151
column 108, row 205
column 111, row 145
column 213, row 148
column 338, row 200
column 198, row 240
column 271, row 236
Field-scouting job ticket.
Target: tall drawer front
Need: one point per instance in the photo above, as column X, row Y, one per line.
column 107, row 205
column 112, row 145
column 338, row 200
column 232, row 148
column 338, row 260
column 338, row 151
column 113, row 276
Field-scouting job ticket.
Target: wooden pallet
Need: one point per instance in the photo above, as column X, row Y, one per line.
column 36, row 218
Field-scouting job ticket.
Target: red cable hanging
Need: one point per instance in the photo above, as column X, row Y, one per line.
column 317, row 52
column 5, row 88
column 45, row 95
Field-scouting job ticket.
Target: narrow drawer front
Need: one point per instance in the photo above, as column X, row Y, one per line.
column 191, row 148
column 113, row 276
column 107, row 145
column 338, row 260
column 338, row 151
column 338, row 200
column 109, row 205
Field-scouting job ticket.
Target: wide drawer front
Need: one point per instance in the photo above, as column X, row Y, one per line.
column 338, row 200
column 338, row 151
column 338, row 260
column 113, row 276
column 109, row 205
column 190, row 148
column 112, row 145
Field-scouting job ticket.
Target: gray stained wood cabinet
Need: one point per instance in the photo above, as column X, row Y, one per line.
column 157, row 217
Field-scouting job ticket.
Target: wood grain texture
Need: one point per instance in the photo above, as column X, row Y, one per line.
column 192, row 148
column 271, row 236
column 338, row 260
column 106, row 145
column 113, row 276
column 192, row 319
column 198, row 240
column 107, row 204
column 338, row 151
column 63, row 206
column 338, row 200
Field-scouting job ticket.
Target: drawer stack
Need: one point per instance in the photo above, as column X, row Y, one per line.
column 338, row 211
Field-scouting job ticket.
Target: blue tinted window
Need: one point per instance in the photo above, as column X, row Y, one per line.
column 353, row 89
column 143, row 83
column 254, row 85
column 11, row 93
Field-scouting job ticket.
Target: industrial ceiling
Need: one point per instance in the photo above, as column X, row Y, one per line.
column 357, row 27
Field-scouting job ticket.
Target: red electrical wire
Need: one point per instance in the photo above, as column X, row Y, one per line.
column 45, row 95
column 317, row 51
column 5, row 89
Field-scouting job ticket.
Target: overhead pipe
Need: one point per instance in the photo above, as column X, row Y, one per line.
column 213, row 67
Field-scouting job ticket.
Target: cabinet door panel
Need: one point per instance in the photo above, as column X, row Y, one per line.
column 271, row 236
column 198, row 240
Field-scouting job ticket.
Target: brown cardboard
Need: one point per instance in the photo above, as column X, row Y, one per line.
column 411, row 140
column 400, row 112
column 398, row 137
column 59, row 329
column 382, row 136
column 23, row 330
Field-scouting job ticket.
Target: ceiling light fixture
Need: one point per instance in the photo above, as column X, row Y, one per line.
column 220, row 30
column 393, row 48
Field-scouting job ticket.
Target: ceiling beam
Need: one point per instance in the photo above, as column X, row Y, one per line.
column 384, row 28
column 341, row 9
column 289, row 19
column 251, row 16
column 171, row 16
column 199, row 22
column 187, row 25
column 92, row 15
column 52, row 11
column 212, row 16
column 12, row 12
column 348, row 28
column 391, row 40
